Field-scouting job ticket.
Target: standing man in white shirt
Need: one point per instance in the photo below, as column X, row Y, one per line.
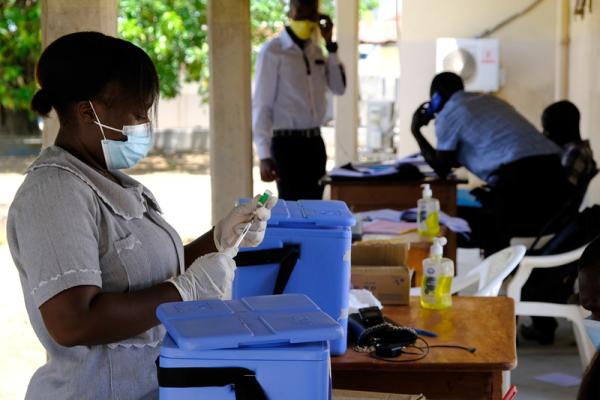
column 292, row 78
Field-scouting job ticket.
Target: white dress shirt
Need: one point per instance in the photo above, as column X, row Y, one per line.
column 286, row 95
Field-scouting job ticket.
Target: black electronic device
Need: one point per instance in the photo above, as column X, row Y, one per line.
column 368, row 327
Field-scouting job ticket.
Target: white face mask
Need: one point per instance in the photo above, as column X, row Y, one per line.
column 118, row 154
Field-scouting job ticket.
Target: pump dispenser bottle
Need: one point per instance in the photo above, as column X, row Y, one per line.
column 436, row 287
column 428, row 213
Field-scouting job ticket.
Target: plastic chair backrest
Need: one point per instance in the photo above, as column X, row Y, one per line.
column 528, row 242
column 488, row 275
column 492, row 271
column 588, row 199
column 568, row 213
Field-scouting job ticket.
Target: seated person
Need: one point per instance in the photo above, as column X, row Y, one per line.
column 560, row 121
column 491, row 139
column 589, row 296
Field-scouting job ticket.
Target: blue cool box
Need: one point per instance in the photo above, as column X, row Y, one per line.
column 306, row 250
column 279, row 343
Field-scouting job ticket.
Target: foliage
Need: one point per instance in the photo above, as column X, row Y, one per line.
column 328, row 6
column 267, row 18
column 173, row 32
column 20, row 47
column 175, row 35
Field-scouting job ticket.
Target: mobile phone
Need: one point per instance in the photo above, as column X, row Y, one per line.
column 434, row 105
column 324, row 20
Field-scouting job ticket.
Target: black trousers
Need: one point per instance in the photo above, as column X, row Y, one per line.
column 525, row 196
column 300, row 165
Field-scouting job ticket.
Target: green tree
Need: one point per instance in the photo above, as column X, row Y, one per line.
column 175, row 35
column 173, row 32
column 20, row 46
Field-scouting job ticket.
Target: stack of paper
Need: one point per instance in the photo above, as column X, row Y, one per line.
column 399, row 221
column 380, row 226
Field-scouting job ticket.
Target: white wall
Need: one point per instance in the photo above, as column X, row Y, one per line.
column 186, row 111
column 527, row 51
column 584, row 82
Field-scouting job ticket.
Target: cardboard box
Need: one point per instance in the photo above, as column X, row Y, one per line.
column 380, row 252
column 380, row 266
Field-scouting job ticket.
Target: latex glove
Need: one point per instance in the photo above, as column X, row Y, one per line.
column 209, row 277
column 229, row 228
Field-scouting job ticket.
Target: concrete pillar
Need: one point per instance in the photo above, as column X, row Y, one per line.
column 346, row 106
column 230, row 103
column 60, row 17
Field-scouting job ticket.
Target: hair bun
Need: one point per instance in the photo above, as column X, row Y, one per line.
column 42, row 102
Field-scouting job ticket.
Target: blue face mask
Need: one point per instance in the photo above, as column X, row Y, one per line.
column 593, row 330
column 120, row 155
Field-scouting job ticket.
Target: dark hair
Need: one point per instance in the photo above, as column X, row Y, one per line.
column 78, row 67
column 446, row 84
column 560, row 121
column 312, row 4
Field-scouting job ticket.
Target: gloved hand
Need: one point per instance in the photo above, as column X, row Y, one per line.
column 229, row 228
column 420, row 117
column 209, row 277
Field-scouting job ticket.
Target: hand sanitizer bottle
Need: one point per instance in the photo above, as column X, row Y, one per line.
column 428, row 213
column 436, row 287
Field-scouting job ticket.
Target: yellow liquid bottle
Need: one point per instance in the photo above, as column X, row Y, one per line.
column 428, row 213
column 436, row 286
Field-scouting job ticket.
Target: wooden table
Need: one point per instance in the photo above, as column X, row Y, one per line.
column 486, row 323
column 366, row 195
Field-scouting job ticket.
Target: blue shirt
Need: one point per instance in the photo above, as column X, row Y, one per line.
column 486, row 133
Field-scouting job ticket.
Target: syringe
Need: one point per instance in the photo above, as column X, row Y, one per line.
column 262, row 201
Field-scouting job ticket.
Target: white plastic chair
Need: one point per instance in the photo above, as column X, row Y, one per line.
column 489, row 274
column 573, row 312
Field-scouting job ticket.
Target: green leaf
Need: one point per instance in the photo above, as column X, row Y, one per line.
column 174, row 33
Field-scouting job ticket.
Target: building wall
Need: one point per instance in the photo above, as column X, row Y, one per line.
column 528, row 47
column 184, row 112
column 584, row 83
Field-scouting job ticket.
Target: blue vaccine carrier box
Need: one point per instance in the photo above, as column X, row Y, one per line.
column 260, row 348
column 306, row 250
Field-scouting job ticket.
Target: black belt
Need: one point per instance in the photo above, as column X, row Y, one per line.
column 305, row 133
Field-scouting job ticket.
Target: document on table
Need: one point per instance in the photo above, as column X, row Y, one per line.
column 355, row 171
column 380, row 226
column 455, row 224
